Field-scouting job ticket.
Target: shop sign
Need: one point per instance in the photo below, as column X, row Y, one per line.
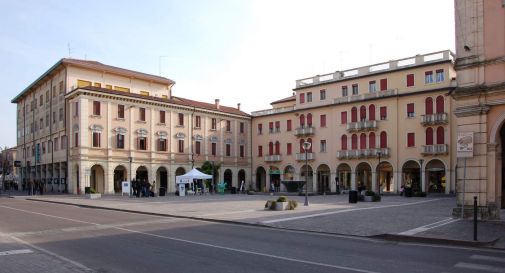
column 464, row 144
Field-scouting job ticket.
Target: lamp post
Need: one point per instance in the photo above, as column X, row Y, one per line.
column 306, row 147
column 379, row 153
column 130, row 159
column 421, row 174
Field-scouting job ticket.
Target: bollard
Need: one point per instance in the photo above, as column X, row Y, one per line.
column 475, row 218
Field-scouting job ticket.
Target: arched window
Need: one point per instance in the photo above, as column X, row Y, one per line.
column 301, row 145
column 371, row 112
column 309, row 140
column 302, row 120
column 354, row 142
column 270, row 148
column 440, row 135
column 371, row 140
column 277, row 148
column 362, row 141
column 384, row 139
column 428, row 105
column 344, row 142
column 362, row 112
column 440, row 105
column 354, row 114
column 309, row 119
column 429, row 136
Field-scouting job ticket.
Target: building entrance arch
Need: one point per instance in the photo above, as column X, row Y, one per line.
column 411, row 176
column 435, row 174
column 261, row 177
column 161, row 179
column 385, row 176
column 228, row 178
column 306, row 172
column 364, row 176
column 119, row 177
column 343, row 177
column 323, row 179
column 97, row 179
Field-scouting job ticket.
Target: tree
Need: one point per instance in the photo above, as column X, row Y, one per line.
column 210, row 168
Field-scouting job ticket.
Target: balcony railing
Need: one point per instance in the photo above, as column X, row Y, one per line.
column 272, row 111
column 362, row 153
column 379, row 94
column 439, row 118
column 304, row 131
column 301, row 156
column 273, row 158
column 436, row 149
column 365, row 125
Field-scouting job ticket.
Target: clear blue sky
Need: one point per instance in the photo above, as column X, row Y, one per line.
column 238, row 51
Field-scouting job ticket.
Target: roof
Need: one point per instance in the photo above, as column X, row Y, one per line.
column 94, row 65
column 291, row 98
column 173, row 100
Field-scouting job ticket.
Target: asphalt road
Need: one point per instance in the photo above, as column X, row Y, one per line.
column 61, row 238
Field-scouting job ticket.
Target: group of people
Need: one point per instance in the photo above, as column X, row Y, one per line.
column 33, row 186
column 142, row 188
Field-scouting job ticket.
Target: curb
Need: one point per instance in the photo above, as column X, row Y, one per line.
column 436, row 241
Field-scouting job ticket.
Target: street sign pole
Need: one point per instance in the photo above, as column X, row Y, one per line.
column 464, row 149
column 463, row 191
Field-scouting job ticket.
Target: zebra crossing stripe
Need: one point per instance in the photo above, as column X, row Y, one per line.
column 14, row 252
column 481, row 267
column 488, row 258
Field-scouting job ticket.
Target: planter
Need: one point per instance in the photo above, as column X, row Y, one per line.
column 93, row 196
column 281, row 205
column 368, row 198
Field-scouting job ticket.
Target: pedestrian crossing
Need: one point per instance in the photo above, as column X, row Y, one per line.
column 482, row 263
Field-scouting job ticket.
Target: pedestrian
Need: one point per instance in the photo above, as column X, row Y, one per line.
column 31, row 184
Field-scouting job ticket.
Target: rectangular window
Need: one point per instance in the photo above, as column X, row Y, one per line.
column 228, row 149
column 242, row 151
column 144, row 93
column 54, row 117
column 440, row 75
column 242, row 128
column 76, row 139
column 47, row 96
column 372, row 86
column 120, row 141
column 344, row 91
column 277, row 126
column 323, row 146
column 97, row 84
column 43, row 147
column 81, row 83
column 61, row 114
column 96, row 108
column 289, row 149
column 63, row 142
column 260, row 150
column 410, row 110
column 322, row 94
column 411, row 140
column 288, row 125
column 228, row 126
column 197, row 147
column 56, row 144
column 343, row 117
column 120, row 111
column 260, row 129
column 384, row 84
column 41, row 100
column 410, row 80
column 123, row 89
column 96, row 139
column 355, row 90
column 271, row 127
column 76, row 109
column 108, row 86
column 213, row 124
column 198, row 122
column 142, row 143
column 383, row 113
column 181, row 145
column 162, row 117
column 213, row 148
column 41, row 123
column 428, row 77
column 181, row 119
column 309, row 96
column 61, row 87
column 162, row 145
column 302, row 97
column 323, row 120
column 142, row 114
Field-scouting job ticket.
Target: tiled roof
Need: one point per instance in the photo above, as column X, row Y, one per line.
column 173, row 100
column 292, row 98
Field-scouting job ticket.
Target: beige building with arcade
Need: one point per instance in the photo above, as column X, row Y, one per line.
column 378, row 126
column 86, row 124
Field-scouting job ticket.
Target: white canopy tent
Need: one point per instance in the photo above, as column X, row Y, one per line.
column 188, row 178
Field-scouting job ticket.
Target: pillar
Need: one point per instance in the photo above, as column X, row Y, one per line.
column 423, row 178
column 375, row 181
column 353, row 181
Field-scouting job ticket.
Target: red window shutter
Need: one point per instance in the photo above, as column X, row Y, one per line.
column 383, row 112
column 310, row 141
column 302, row 120
column 260, row 127
column 371, row 140
column 270, row 148
column 302, row 98
column 439, row 71
column 309, row 119
column 301, row 145
column 411, row 140
column 343, row 117
column 270, row 125
column 354, row 114
column 410, row 80
column 384, row 84
column 440, row 135
column 428, row 106
column 440, row 104
column 429, row 136
column 277, row 124
column 260, row 151
column 288, row 125
column 371, row 112
column 362, row 112
column 277, row 148
column 428, row 73
column 344, row 142
column 384, row 139
column 410, row 108
column 362, row 141
column 288, row 149
column 323, row 120
column 354, row 142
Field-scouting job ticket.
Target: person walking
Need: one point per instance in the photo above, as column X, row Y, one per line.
column 31, row 184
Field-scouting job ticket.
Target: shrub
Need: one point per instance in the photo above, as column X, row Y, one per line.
column 292, row 204
column 92, row 190
column 272, row 204
column 282, row 199
column 376, row 198
column 369, row 193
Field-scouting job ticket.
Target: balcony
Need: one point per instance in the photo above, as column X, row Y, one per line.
column 363, row 153
column 436, row 149
column 301, row 156
column 272, row 111
column 273, row 158
column 435, row 119
column 365, row 125
column 304, row 131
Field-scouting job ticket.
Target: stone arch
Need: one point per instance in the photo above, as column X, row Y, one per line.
column 323, row 178
column 307, row 174
column 97, row 178
column 344, row 176
column 142, row 173
column 435, row 173
column 411, row 175
column 228, row 178
column 241, row 177
column 385, row 176
column 161, row 179
column 261, row 177
column 364, row 176
column 120, row 175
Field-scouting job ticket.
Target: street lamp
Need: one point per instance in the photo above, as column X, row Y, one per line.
column 306, row 147
column 379, row 153
column 421, row 174
column 130, row 159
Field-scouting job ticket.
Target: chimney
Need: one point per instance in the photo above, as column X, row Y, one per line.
column 217, row 104
column 238, row 106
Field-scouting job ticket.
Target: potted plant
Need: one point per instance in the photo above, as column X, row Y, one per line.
column 281, row 203
column 369, row 196
column 93, row 194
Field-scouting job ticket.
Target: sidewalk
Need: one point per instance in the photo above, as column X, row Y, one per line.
column 395, row 218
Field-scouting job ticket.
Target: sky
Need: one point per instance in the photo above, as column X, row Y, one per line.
column 248, row 52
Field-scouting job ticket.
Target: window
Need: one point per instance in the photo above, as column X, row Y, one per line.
column 410, row 110
column 47, row 96
column 198, row 147
column 288, row 125
column 440, row 75
column 302, row 97
column 362, row 141
column 97, row 84
column 354, row 114
column 411, row 140
column 384, row 84
column 213, row 124
column 120, row 141
column 162, row 145
column 213, row 148
column 344, row 91
column 384, row 139
column 355, row 89
column 43, row 147
column 63, row 142
column 277, row 126
column 371, row 140
column 429, row 136
column 54, row 117
column 181, row 146
column 41, row 123
column 142, row 114
column 428, row 106
column 440, row 104
column 260, row 129
column 55, row 144
column 354, row 142
column 76, row 139
column 181, row 119
column 440, row 135
column 61, row 114
column 120, row 111
column 323, row 120
column 371, row 112
column 260, row 150
column 76, row 109
column 322, row 146
column 322, row 94
column 242, row 127
column 162, row 117
column 228, row 126
column 362, row 113
column 270, row 148
column 96, row 108
column 428, row 77
column 309, row 96
column 302, row 120
column 271, row 127
column 241, row 151
column 198, row 122
column 81, row 83
column 61, row 87
column 54, row 92
column 41, row 100
column 277, row 148
column 143, row 93
column 124, row 89
column 410, row 80
column 372, row 86
column 108, row 86
column 289, row 148
column 142, row 143
column 384, row 112
column 343, row 117
column 343, row 142
column 228, row 149
column 96, row 139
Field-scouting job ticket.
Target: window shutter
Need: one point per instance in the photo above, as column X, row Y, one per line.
column 354, row 140
column 371, row 141
column 410, row 140
column 271, row 125
column 384, row 139
column 270, row 148
column 428, row 106
column 384, row 84
column 440, row 135
column 371, row 112
column 309, row 119
column 302, row 120
column 302, row 98
column 343, row 143
column 410, row 80
column 301, row 145
column 440, row 104
column 362, row 112
column 323, row 120
column 362, row 141
column 288, row 125
column 429, row 136
column 288, row 148
column 343, row 117
column 277, row 148
column 354, row 114
column 410, row 108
